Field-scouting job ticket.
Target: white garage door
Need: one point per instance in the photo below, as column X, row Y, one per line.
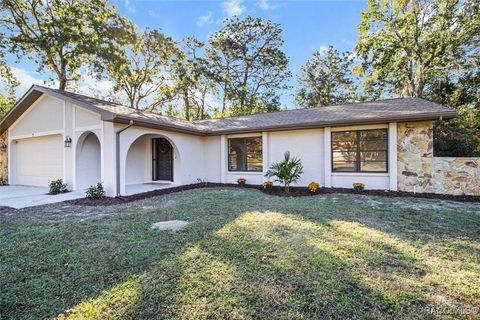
column 38, row 160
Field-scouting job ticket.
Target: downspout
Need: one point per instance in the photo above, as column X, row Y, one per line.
column 117, row 142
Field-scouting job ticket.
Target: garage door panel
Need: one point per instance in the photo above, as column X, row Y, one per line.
column 39, row 160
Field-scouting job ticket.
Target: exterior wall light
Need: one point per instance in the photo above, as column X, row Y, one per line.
column 68, row 142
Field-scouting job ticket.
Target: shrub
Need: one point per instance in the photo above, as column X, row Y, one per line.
column 57, row 187
column 203, row 181
column 241, row 181
column 287, row 171
column 358, row 186
column 267, row 185
column 313, row 187
column 95, row 192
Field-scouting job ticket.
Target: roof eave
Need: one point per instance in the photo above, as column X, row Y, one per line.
column 154, row 125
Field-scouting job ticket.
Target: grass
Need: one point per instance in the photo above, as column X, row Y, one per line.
column 244, row 255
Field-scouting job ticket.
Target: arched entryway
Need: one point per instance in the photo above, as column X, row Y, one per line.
column 88, row 160
column 152, row 161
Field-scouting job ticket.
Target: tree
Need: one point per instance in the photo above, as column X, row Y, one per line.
column 287, row 171
column 404, row 44
column 8, row 82
column 459, row 136
column 61, row 36
column 326, row 78
column 189, row 84
column 144, row 71
column 248, row 64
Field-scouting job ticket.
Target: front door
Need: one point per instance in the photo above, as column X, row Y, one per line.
column 162, row 160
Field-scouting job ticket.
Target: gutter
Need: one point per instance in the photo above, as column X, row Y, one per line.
column 117, row 155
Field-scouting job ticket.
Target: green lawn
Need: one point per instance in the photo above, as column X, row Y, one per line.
column 245, row 255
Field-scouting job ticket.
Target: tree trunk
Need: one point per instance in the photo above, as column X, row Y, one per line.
column 62, row 83
column 186, row 102
column 224, row 101
column 287, row 188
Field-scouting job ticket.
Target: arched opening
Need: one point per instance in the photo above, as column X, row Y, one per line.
column 151, row 163
column 88, row 161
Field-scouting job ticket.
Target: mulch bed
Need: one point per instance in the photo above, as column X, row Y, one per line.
column 108, row 201
column 274, row 191
column 302, row 192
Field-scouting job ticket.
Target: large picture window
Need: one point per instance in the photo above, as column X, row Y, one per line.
column 360, row 151
column 245, row 154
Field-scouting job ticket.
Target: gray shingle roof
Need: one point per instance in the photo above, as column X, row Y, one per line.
column 402, row 109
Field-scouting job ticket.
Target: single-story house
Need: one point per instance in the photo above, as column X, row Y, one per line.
column 52, row 134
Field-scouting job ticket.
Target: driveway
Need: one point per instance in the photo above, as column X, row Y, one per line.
column 26, row 196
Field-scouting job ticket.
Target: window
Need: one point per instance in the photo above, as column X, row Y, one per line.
column 245, row 154
column 360, row 151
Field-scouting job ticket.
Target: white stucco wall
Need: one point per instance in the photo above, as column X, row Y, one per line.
column 86, row 118
column 203, row 157
column 188, row 156
column 212, row 159
column 50, row 116
column 139, row 161
column 88, row 161
column 313, row 147
column 304, row 144
column 46, row 115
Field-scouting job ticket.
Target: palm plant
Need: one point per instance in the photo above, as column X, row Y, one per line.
column 287, row 171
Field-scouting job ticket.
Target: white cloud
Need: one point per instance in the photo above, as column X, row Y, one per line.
column 129, row 6
column 323, row 49
column 26, row 80
column 89, row 83
column 233, row 7
column 266, row 5
column 152, row 13
column 205, row 20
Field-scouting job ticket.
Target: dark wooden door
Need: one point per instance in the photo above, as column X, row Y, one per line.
column 162, row 159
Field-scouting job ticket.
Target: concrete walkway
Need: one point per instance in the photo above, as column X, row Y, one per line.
column 131, row 189
column 26, row 196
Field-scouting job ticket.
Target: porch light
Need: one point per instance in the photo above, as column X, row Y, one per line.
column 68, row 142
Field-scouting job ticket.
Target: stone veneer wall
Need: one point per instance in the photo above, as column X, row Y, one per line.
column 3, row 158
column 420, row 171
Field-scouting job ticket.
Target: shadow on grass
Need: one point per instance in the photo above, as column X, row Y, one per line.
column 311, row 258
column 275, row 265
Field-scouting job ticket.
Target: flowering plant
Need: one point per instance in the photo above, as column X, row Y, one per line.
column 313, row 187
column 358, row 186
column 241, row 181
column 267, row 184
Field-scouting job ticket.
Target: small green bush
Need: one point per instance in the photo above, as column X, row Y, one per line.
column 287, row 171
column 95, row 192
column 57, row 187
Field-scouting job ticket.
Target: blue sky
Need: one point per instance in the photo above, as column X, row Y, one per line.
column 307, row 26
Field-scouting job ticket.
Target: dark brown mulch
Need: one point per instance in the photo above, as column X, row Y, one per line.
column 275, row 191
column 108, row 201
column 302, row 191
